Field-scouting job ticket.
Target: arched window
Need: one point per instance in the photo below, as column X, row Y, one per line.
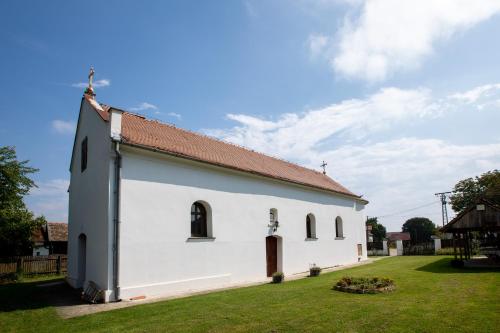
column 339, row 229
column 199, row 222
column 310, row 226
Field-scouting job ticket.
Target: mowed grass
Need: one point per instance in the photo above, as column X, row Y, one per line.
column 431, row 296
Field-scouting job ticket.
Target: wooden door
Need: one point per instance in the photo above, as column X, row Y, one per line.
column 271, row 255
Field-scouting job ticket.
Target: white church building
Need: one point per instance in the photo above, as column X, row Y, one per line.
column 155, row 210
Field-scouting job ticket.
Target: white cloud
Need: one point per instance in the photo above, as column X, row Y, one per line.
column 393, row 35
column 477, row 93
column 144, row 106
column 96, row 84
column 50, row 199
column 395, row 174
column 175, row 115
column 250, row 9
column 64, row 127
column 53, row 187
column 293, row 135
column 317, row 44
column 405, row 173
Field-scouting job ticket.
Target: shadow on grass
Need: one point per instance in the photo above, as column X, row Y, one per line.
column 444, row 266
column 37, row 295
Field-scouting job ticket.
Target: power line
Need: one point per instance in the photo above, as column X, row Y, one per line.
column 408, row 210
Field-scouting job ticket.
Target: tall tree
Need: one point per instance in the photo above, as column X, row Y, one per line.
column 420, row 228
column 16, row 221
column 468, row 191
column 378, row 230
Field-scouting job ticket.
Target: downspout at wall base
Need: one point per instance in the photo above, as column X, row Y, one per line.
column 116, row 220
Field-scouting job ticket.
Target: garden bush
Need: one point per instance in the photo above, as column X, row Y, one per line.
column 314, row 270
column 278, row 277
column 364, row 285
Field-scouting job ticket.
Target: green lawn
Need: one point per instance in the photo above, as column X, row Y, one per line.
column 430, row 297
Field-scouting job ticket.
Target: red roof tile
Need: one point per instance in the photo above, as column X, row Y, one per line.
column 57, row 231
column 37, row 236
column 398, row 236
column 137, row 130
column 150, row 134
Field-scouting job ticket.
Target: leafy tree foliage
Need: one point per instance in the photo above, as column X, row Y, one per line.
column 16, row 222
column 378, row 230
column 420, row 228
column 468, row 191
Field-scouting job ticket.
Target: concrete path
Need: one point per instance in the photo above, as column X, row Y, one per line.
column 67, row 307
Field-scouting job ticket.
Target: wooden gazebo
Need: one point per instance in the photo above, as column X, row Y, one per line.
column 482, row 219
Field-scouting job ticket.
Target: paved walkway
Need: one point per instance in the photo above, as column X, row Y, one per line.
column 67, row 307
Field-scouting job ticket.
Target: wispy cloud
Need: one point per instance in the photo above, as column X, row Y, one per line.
column 477, row 93
column 317, row 44
column 175, row 115
column 389, row 172
column 296, row 134
column 169, row 114
column 97, row 84
column 31, row 44
column 50, row 199
column 144, row 106
column 63, row 126
column 406, row 172
column 250, row 9
column 392, row 35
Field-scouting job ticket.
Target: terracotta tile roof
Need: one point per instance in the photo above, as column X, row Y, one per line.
column 37, row 236
column 57, row 231
column 398, row 236
column 150, row 134
column 139, row 131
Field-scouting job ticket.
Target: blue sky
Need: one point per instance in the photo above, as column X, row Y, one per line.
column 400, row 98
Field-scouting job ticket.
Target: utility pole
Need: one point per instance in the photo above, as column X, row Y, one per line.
column 444, row 210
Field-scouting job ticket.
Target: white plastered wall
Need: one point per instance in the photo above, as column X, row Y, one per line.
column 89, row 197
column 158, row 258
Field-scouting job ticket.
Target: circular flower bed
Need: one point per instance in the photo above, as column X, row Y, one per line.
column 363, row 285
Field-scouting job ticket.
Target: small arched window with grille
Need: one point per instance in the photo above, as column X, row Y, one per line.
column 339, row 228
column 310, row 226
column 199, row 222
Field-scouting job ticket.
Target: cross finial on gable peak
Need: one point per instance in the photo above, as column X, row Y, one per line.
column 90, row 90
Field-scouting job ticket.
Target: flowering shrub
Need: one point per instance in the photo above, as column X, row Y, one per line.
column 364, row 285
column 314, row 270
column 278, row 277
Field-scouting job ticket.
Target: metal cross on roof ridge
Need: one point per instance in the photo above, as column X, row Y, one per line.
column 323, row 165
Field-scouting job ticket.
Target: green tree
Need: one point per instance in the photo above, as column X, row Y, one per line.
column 378, row 230
column 16, row 221
column 468, row 191
column 420, row 228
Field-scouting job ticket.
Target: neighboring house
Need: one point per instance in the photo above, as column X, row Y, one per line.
column 158, row 210
column 369, row 235
column 40, row 247
column 51, row 238
column 394, row 236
